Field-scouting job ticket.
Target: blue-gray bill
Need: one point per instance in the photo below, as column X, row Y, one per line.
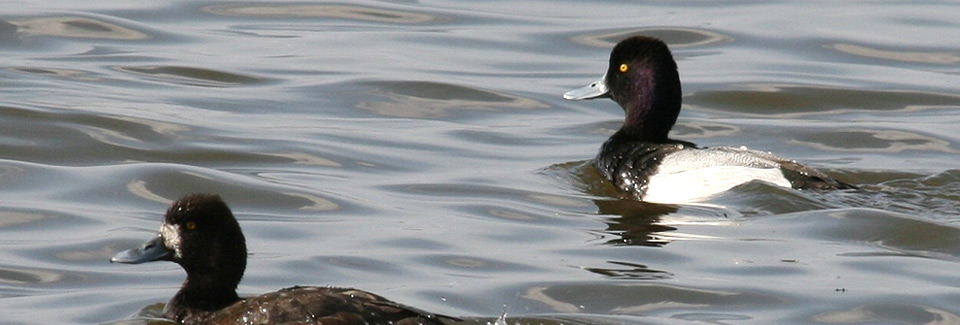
column 152, row 250
column 597, row 89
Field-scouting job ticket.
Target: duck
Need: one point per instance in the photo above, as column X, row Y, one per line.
column 200, row 233
column 646, row 164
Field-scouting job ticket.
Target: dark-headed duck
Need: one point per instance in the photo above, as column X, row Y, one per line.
column 201, row 235
column 641, row 160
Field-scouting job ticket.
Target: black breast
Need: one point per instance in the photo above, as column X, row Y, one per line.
column 630, row 164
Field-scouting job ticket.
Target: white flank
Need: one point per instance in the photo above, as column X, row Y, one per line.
column 701, row 183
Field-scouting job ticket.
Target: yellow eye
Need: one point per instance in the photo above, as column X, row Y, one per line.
column 191, row 225
column 624, row 67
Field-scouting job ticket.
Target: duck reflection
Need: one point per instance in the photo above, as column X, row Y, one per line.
column 631, row 271
column 634, row 223
column 629, row 222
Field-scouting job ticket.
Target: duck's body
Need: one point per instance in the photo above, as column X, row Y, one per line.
column 201, row 235
column 643, row 161
column 307, row 305
column 681, row 172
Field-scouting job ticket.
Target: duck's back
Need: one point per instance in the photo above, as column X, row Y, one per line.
column 316, row 305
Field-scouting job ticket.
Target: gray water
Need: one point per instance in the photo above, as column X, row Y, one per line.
column 422, row 151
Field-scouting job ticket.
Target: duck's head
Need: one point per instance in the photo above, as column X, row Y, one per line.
column 201, row 234
column 642, row 77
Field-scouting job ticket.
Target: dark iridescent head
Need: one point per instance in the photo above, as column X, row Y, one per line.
column 642, row 77
column 201, row 234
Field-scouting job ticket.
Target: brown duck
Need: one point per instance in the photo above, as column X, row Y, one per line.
column 201, row 235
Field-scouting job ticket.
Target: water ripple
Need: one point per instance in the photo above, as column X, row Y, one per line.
column 78, row 27
column 23, row 276
column 676, row 37
column 399, row 147
column 416, row 99
column 193, row 76
column 902, row 55
column 381, row 15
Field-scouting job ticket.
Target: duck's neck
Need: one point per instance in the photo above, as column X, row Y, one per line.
column 653, row 110
column 195, row 297
column 204, row 292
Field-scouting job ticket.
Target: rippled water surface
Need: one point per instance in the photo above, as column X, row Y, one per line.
column 421, row 150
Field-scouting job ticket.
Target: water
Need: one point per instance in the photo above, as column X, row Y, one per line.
column 421, row 150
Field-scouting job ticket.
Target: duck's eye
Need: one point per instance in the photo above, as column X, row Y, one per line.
column 191, row 225
column 624, row 67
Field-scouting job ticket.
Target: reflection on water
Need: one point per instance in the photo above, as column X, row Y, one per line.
column 677, row 37
column 935, row 195
column 193, row 76
column 887, row 313
column 8, row 34
column 81, row 27
column 690, row 130
column 382, row 15
column 637, row 222
column 791, row 101
column 889, row 141
column 630, row 271
column 28, row 276
column 76, row 75
column 635, row 298
column 905, row 56
column 17, row 218
column 415, row 99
